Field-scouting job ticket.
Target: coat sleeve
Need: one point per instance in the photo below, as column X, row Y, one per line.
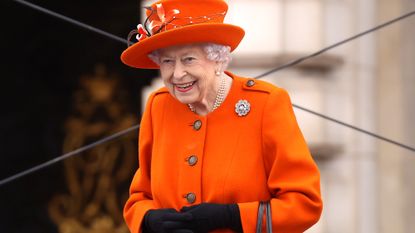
column 140, row 199
column 293, row 177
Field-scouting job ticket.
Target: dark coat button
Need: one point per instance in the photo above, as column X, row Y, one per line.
column 191, row 198
column 250, row 83
column 197, row 125
column 192, row 160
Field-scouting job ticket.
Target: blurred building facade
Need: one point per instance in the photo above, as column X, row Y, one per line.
column 367, row 184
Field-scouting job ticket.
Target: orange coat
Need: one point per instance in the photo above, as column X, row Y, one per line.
column 240, row 159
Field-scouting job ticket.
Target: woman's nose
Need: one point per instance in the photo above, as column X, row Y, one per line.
column 179, row 71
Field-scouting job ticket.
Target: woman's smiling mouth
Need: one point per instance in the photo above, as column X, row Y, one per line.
column 184, row 87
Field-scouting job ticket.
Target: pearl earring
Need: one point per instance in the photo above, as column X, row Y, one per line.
column 218, row 73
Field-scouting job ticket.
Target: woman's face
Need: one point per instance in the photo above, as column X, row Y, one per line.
column 188, row 74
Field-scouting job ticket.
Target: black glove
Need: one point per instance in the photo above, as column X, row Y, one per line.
column 158, row 221
column 207, row 217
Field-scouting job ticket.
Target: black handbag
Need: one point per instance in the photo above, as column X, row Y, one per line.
column 267, row 206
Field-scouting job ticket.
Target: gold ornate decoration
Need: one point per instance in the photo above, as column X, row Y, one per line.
column 93, row 203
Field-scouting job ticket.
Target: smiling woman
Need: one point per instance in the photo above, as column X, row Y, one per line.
column 206, row 126
column 194, row 73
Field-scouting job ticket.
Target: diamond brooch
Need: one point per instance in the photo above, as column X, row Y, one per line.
column 242, row 108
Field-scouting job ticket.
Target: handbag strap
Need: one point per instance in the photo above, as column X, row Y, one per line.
column 259, row 219
column 268, row 216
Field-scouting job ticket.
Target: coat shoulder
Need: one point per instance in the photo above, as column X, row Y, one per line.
column 160, row 94
column 162, row 90
column 157, row 98
column 255, row 85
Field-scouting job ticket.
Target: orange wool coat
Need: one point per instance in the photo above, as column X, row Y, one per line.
column 240, row 159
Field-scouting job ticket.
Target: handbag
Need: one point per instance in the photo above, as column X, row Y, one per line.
column 268, row 221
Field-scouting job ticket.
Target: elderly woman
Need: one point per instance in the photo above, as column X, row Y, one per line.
column 212, row 145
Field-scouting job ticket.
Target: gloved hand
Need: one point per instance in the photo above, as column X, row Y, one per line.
column 161, row 220
column 207, row 217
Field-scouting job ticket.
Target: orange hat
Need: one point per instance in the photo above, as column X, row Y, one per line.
column 177, row 22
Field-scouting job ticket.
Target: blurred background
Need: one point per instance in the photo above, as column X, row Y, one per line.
column 64, row 87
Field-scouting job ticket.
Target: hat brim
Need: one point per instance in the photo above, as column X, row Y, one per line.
column 225, row 34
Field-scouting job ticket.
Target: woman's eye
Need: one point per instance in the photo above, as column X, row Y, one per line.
column 189, row 59
column 166, row 61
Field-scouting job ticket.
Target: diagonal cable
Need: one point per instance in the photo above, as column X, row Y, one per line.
column 67, row 155
column 301, row 59
column 356, row 128
column 72, row 21
column 62, row 157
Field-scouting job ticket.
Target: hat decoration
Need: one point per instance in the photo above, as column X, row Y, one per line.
column 148, row 29
column 159, row 24
column 179, row 22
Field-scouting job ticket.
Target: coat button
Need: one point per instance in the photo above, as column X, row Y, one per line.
column 197, row 125
column 192, row 160
column 250, row 83
column 191, row 198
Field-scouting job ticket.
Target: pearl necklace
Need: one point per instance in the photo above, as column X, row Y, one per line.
column 220, row 96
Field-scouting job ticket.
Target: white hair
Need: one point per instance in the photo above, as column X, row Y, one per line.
column 214, row 52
